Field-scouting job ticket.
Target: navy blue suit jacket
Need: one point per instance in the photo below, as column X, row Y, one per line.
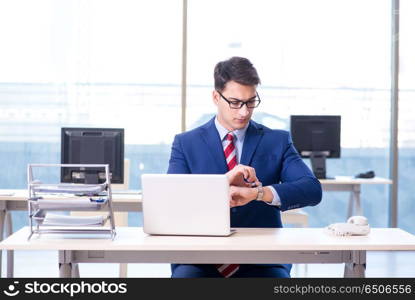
column 270, row 152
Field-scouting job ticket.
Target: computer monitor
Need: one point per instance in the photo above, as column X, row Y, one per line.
column 317, row 137
column 92, row 146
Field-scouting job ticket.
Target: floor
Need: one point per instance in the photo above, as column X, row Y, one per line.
column 44, row 264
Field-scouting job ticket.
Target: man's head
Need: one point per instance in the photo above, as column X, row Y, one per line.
column 236, row 80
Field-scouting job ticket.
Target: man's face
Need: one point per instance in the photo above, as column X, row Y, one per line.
column 233, row 119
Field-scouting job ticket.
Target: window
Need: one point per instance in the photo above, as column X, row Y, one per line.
column 406, row 125
column 93, row 64
column 89, row 64
column 118, row 64
column 313, row 57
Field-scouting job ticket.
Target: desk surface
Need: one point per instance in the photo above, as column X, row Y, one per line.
column 245, row 239
column 21, row 194
column 352, row 180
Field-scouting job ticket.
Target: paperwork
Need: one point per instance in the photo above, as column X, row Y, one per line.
column 64, row 220
column 69, row 204
column 47, row 200
column 69, row 188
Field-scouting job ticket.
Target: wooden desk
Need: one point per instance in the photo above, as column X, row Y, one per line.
column 247, row 245
column 352, row 185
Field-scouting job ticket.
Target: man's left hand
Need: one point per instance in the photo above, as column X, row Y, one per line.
column 242, row 175
column 242, row 195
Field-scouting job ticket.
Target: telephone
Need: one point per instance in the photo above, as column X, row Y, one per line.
column 368, row 174
column 356, row 225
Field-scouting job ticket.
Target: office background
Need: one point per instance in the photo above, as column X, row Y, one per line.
column 147, row 66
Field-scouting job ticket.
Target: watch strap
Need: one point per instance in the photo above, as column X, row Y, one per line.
column 260, row 194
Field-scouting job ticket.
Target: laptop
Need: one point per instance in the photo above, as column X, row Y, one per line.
column 186, row 204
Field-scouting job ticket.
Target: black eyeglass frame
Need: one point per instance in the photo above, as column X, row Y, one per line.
column 240, row 102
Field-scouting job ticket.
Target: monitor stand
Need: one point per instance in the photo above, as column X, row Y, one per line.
column 318, row 164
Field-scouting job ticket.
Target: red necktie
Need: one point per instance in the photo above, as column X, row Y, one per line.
column 227, row 270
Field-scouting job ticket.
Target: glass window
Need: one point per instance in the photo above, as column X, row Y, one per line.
column 313, row 57
column 88, row 63
column 92, row 64
column 406, row 125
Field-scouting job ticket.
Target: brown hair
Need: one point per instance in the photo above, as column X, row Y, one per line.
column 238, row 69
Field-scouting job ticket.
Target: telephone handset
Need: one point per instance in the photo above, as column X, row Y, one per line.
column 356, row 225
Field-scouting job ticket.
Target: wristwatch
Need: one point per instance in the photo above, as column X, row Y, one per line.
column 260, row 194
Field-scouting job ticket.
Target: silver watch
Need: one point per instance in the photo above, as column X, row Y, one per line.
column 260, row 195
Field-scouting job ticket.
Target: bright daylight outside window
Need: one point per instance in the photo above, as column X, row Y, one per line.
column 406, row 125
column 88, row 63
column 312, row 60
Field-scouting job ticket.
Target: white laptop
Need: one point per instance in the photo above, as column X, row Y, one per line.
column 186, row 204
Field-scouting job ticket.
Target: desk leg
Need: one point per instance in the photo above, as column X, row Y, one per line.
column 2, row 216
column 10, row 253
column 351, row 202
column 123, row 270
column 354, row 199
column 65, row 270
column 75, row 270
column 357, row 266
column 65, row 265
column 356, row 193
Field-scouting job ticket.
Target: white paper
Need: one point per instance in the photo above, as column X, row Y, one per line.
column 67, row 204
column 64, row 220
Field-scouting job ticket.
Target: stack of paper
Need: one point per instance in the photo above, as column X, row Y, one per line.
column 67, row 204
column 64, row 220
column 69, row 188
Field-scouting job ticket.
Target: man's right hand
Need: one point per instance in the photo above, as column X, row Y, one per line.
column 243, row 176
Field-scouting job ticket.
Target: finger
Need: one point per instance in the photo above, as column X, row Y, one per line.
column 251, row 174
column 234, row 173
column 233, row 203
column 238, row 203
column 256, row 183
column 246, row 173
column 229, row 176
column 235, row 194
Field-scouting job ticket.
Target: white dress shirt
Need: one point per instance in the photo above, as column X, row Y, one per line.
column 239, row 143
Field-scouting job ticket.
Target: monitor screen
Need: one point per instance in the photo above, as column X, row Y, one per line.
column 92, row 146
column 316, row 133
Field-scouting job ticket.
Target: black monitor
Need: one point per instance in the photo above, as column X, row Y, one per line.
column 92, row 146
column 317, row 137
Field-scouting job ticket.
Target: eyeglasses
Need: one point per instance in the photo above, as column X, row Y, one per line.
column 237, row 104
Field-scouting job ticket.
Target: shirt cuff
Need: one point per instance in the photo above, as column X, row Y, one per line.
column 276, row 201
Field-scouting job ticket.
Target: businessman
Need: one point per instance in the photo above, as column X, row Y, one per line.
column 265, row 172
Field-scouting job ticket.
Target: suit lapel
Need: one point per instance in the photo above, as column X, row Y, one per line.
column 214, row 145
column 253, row 136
